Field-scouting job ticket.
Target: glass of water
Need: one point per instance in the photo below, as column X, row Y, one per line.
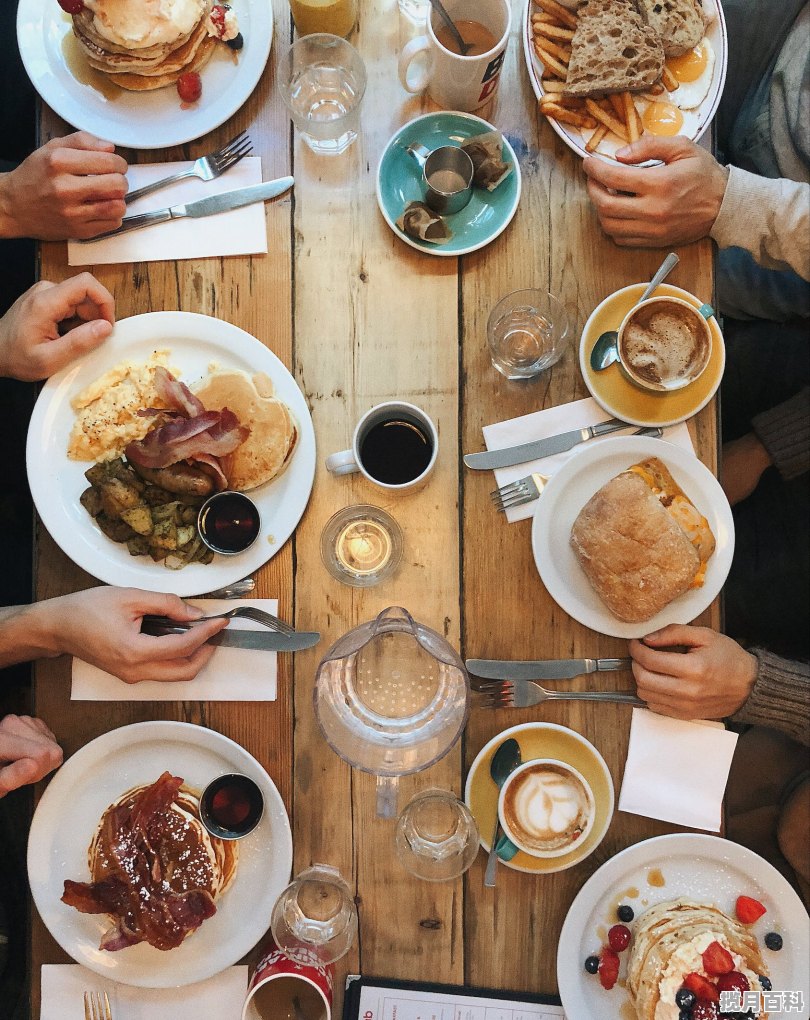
column 527, row 332
column 315, row 918
column 322, row 80
column 436, row 838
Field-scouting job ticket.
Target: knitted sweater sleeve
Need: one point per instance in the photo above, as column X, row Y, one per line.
column 780, row 698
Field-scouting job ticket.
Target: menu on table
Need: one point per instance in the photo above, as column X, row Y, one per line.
column 370, row 999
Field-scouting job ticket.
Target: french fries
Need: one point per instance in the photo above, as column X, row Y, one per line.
column 551, row 61
column 560, row 13
column 669, row 81
column 596, row 138
column 631, row 117
column 551, row 31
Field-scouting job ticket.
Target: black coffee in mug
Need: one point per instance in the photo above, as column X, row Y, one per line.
column 396, row 451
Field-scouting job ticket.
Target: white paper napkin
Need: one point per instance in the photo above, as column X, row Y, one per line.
column 231, row 674
column 677, row 771
column 219, row 998
column 238, row 232
column 551, row 422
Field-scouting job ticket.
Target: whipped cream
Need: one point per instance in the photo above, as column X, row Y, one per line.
column 688, row 959
column 226, row 29
column 136, row 25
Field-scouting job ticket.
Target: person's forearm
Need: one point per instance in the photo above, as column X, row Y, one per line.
column 769, row 218
column 25, row 634
column 8, row 226
column 780, row 699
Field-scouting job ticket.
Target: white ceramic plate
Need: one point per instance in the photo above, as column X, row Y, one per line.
column 196, row 341
column 141, row 120
column 571, row 488
column 704, row 868
column 68, row 814
column 704, row 112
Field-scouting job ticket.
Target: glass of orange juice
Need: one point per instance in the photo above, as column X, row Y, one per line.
column 337, row 17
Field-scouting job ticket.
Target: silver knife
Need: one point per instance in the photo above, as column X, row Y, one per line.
column 205, row 206
column 543, row 669
column 541, row 447
column 268, row 641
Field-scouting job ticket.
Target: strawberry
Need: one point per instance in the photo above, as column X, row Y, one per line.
column 702, row 987
column 189, row 87
column 733, row 982
column 608, row 967
column 71, row 6
column 704, row 1010
column 619, row 937
column 749, row 910
column 717, row 960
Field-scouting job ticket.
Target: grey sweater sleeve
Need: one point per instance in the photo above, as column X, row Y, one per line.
column 785, row 433
column 780, row 698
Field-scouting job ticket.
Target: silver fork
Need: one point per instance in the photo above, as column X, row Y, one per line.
column 524, row 694
column 207, row 168
column 97, row 1006
column 166, row 624
column 524, row 490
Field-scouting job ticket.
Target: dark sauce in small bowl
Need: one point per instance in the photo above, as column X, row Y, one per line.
column 228, row 522
column 231, row 806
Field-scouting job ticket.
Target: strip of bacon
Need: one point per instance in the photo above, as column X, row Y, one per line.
column 176, row 394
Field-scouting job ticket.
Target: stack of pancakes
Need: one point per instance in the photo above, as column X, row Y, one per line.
column 667, row 945
column 145, row 44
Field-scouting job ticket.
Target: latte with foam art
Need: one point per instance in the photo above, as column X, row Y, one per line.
column 664, row 343
column 547, row 808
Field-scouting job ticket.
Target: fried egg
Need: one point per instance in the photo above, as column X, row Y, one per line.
column 662, row 118
column 694, row 71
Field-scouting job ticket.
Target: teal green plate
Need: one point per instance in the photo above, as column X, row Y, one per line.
column 399, row 179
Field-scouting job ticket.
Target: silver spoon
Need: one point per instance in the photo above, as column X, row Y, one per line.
column 505, row 760
column 438, row 7
column 606, row 349
column 296, row 1005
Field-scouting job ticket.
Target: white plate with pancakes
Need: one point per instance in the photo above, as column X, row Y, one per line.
column 68, row 815
column 196, row 342
column 571, row 488
column 701, row 868
column 688, row 110
column 155, row 119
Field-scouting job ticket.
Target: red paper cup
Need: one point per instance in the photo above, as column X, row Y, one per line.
column 278, row 979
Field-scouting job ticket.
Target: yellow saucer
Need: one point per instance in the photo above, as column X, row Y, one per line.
column 611, row 388
column 542, row 740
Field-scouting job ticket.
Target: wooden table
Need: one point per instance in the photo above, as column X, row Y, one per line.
column 360, row 317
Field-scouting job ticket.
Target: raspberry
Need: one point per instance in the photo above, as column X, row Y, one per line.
column 189, row 87
column 619, row 938
column 717, row 960
column 705, row 1010
column 608, row 968
column 733, row 982
column 749, row 910
column 71, row 6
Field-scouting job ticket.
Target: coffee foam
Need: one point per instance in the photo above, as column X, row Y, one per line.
column 547, row 807
column 663, row 343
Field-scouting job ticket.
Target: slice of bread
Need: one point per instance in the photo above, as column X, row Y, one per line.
column 680, row 24
column 613, row 50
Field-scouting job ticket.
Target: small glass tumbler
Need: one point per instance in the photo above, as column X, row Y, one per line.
column 436, row 837
column 527, row 332
column 415, row 10
column 361, row 545
column 315, row 918
column 322, row 79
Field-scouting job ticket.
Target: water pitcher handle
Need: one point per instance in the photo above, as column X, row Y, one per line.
column 387, row 796
column 393, row 615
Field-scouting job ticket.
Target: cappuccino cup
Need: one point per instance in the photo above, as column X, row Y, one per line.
column 546, row 807
column 665, row 343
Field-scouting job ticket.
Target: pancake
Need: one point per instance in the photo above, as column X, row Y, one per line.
column 273, row 432
column 667, row 945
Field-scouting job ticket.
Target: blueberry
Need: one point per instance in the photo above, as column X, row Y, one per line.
column 765, row 982
column 237, row 42
column 685, row 1014
column 592, row 964
column 773, row 940
column 685, row 999
column 625, row 913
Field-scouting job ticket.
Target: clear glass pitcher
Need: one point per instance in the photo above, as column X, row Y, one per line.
column 391, row 698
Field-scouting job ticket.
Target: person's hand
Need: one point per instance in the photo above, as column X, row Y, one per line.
column 744, row 462
column 71, row 187
column 31, row 347
column 712, row 679
column 658, row 206
column 28, row 751
column 103, row 627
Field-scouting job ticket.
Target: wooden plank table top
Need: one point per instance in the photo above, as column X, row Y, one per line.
column 360, row 317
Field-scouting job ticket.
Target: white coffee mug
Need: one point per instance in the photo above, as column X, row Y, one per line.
column 349, row 461
column 453, row 81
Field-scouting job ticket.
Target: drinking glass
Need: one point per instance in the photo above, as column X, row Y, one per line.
column 436, row 837
column 315, row 918
column 322, row 79
column 361, row 545
column 415, row 10
column 527, row 332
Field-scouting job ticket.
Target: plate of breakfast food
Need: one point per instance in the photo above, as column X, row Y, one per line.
column 632, row 534
column 613, row 389
column 145, row 75
column 680, row 925
column 126, row 877
column 126, row 444
column 608, row 71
